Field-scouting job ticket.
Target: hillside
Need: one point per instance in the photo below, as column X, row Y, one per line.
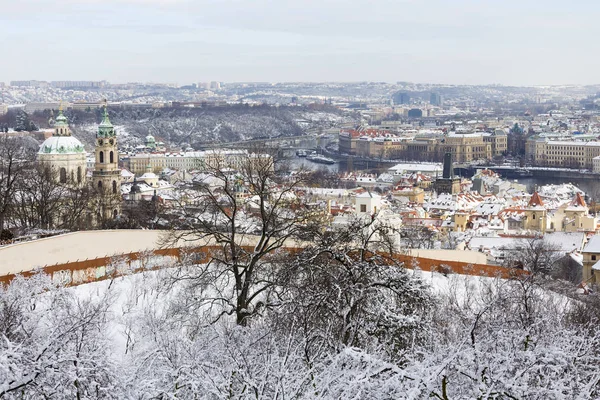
column 193, row 127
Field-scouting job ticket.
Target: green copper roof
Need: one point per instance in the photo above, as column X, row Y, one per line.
column 61, row 120
column 61, row 145
column 105, row 121
column 105, row 129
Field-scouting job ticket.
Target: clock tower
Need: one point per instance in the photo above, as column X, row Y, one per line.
column 106, row 177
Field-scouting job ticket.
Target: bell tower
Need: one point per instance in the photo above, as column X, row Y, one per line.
column 106, row 177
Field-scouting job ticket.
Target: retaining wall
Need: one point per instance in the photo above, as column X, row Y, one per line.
column 81, row 272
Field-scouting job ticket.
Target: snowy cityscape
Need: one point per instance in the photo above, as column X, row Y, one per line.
column 248, row 201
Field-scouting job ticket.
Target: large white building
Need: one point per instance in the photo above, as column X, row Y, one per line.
column 188, row 161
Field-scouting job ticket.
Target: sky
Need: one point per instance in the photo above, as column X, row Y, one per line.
column 506, row 42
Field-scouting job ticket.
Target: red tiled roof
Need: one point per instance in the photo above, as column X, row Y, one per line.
column 535, row 200
column 578, row 201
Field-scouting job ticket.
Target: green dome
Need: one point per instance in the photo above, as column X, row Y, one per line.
column 61, row 145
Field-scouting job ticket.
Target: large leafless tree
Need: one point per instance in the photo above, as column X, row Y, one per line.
column 16, row 153
column 250, row 212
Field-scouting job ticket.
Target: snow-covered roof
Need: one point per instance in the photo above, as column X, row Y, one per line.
column 367, row 194
column 593, row 246
column 565, row 241
column 126, row 173
column 149, row 175
column 414, row 167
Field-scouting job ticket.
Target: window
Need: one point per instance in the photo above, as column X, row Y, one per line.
column 100, row 186
column 112, row 157
column 363, row 208
column 63, row 175
column 593, row 257
column 79, row 175
column 114, row 187
column 101, row 157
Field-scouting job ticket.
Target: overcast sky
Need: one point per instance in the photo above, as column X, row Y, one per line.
column 509, row 42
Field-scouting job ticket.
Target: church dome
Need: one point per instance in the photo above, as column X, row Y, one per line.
column 61, row 145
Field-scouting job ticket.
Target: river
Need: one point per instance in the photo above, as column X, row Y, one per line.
column 589, row 185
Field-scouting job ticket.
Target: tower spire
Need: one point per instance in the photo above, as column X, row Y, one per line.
column 61, row 124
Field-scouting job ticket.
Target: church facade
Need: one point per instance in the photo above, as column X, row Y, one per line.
column 64, row 154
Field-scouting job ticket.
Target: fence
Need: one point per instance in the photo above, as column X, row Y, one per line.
column 80, row 272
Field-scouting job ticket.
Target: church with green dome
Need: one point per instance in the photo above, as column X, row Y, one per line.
column 64, row 154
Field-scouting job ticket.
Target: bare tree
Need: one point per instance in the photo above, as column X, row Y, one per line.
column 346, row 289
column 417, row 237
column 535, row 255
column 42, row 201
column 15, row 155
column 244, row 207
column 38, row 198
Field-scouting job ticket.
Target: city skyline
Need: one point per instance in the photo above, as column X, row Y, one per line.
column 179, row 41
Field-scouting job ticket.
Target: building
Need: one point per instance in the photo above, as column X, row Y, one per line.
column 401, row 98
column 367, row 203
column 348, row 138
column 466, row 147
column 386, row 147
column 498, row 140
column 33, row 107
column 78, row 84
column 415, row 113
column 63, row 154
column 189, row 160
column 106, row 177
column 428, row 169
column 596, row 165
column 591, row 261
column 29, row 83
column 535, row 218
column 435, row 99
column 150, row 143
column 3, row 109
column 577, row 216
column 561, row 153
column 84, row 105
